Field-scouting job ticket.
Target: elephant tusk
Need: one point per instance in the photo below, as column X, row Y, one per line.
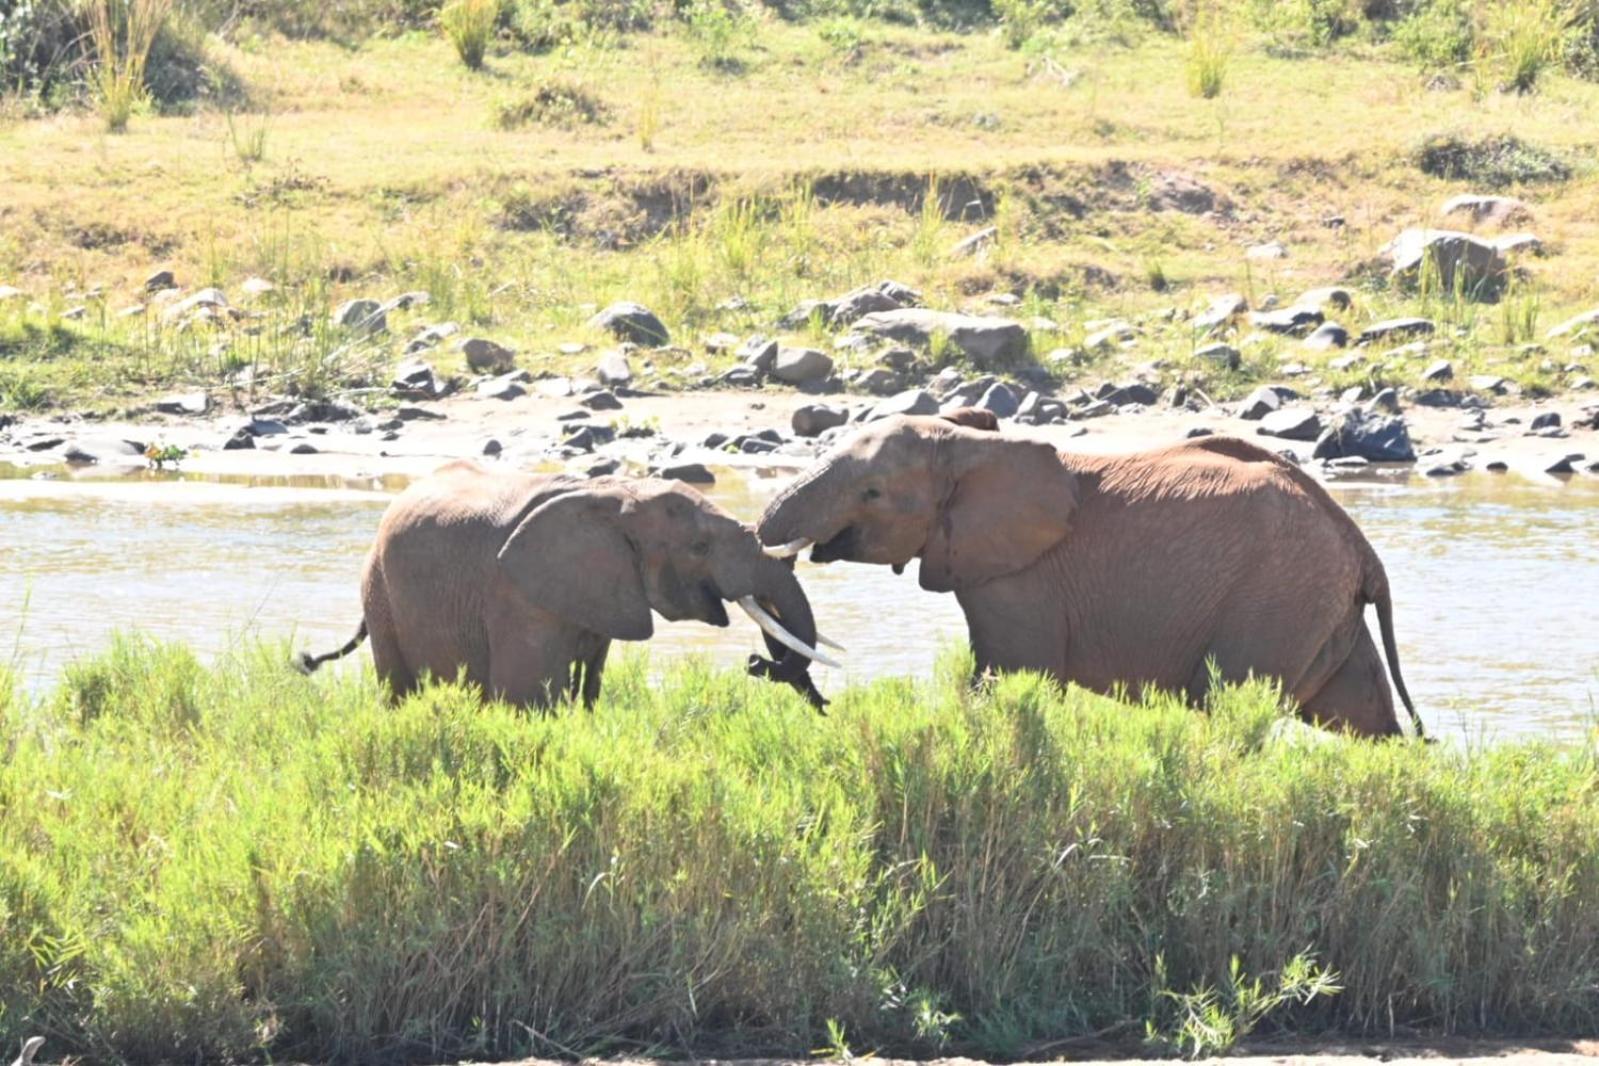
column 824, row 642
column 792, row 548
column 771, row 627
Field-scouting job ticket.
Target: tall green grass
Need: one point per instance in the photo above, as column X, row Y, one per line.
column 235, row 862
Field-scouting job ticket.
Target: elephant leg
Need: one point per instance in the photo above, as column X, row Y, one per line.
column 530, row 668
column 1356, row 698
column 387, row 658
column 593, row 672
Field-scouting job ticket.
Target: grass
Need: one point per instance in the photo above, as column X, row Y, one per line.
column 1210, row 53
column 122, row 33
column 1523, row 39
column 469, row 25
column 233, row 862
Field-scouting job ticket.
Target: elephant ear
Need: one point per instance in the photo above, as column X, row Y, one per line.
column 571, row 557
column 1011, row 502
column 972, row 418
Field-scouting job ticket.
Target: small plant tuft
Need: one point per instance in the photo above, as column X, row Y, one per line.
column 469, row 25
column 555, row 102
column 122, row 33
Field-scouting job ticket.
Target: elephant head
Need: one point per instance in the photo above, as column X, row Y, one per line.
column 607, row 552
column 972, row 505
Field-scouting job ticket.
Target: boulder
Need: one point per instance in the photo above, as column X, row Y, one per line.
column 614, row 369
column 1221, row 311
column 366, row 315
column 486, row 357
column 1294, row 423
column 1267, row 251
column 504, row 387
column 1442, row 370
column 1000, row 400
column 1393, row 329
column 1334, row 296
column 977, row 242
column 632, row 322
column 759, row 353
column 188, row 403
column 431, row 337
column 690, row 473
column 1130, row 394
column 909, row 402
column 801, row 366
column 603, row 400
column 1264, row 400
column 880, row 381
column 206, row 302
column 1373, row 437
column 1500, row 210
column 1223, row 355
column 10, row 292
column 416, row 380
column 1572, row 326
column 1327, row 336
column 1519, row 244
column 159, row 281
column 983, row 339
column 1297, row 321
column 1462, row 261
column 814, row 419
column 256, row 286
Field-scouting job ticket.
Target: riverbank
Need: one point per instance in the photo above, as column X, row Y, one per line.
column 235, row 862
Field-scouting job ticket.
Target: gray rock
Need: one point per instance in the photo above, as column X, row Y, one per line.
column 759, row 353
column 412, row 413
column 431, row 337
column 909, row 402
column 1576, row 324
column 801, row 366
column 977, row 242
column 1264, row 400
column 1442, row 370
column 1334, row 296
column 690, row 473
column 613, row 369
column 1221, row 311
column 602, row 400
column 504, row 387
column 1000, row 400
column 264, row 427
column 814, row 419
column 417, row 380
column 1373, row 437
column 486, row 357
column 742, row 376
column 880, row 381
column 188, row 403
column 242, row 440
column 161, row 279
column 1519, row 244
column 984, row 340
column 209, row 303
column 10, row 292
column 1346, row 362
column 1295, row 423
column 1199, row 431
column 366, row 315
column 1269, row 250
column 1327, row 336
column 1109, row 335
column 492, row 448
column 632, row 322
column 1462, row 261
column 1296, row 321
column 1437, row 398
column 305, row 448
column 1488, row 383
column 1396, row 329
column 1546, row 420
column 1223, row 355
column 1352, row 395
column 1502, row 210
column 1130, row 394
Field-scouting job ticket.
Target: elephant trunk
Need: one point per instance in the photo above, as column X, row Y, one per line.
column 778, row 591
column 784, row 523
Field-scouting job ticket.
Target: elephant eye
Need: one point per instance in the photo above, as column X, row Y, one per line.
column 700, row 547
column 870, row 494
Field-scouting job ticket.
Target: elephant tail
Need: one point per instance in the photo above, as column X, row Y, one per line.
column 1377, row 593
column 307, row 663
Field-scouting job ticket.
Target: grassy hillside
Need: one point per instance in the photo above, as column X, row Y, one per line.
column 233, row 862
column 720, row 175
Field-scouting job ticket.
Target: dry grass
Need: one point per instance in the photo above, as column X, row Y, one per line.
column 122, row 32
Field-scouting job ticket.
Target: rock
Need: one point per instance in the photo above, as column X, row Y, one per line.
column 188, row 403
column 1130, row 394
column 613, row 369
column 1502, row 210
column 1487, row 383
column 690, row 473
column 1289, row 320
column 1345, row 362
column 909, row 402
column 1297, row 423
column 264, row 427
column 1373, row 437
column 759, row 352
column 1327, row 336
column 486, row 357
column 416, row 380
column 814, row 419
column 431, row 337
column 418, row 414
column 602, row 468
column 1000, row 400
column 364, row 315
column 1546, row 420
column 983, row 339
column 1221, row 311
column 1442, row 370
column 1437, row 398
column 242, row 440
column 1386, row 400
column 742, row 376
column 801, row 366
column 1519, row 244
column 1108, row 335
column 632, row 322
column 1334, row 296
column 1270, row 250
column 602, row 400
column 1395, row 329
column 1576, row 325
column 1264, row 400
column 1223, row 355
column 1498, row 466
column 256, row 286
column 1463, row 261
column 504, row 387
column 9, row 292
column 977, row 242
column 209, row 302
column 1565, row 464
column 880, row 381
column 587, row 437
column 407, row 300
column 1446, row 468
column 305, row 448
column 161, row 279
column 1173, row 190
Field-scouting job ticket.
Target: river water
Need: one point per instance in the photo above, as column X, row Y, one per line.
column 1495, row 582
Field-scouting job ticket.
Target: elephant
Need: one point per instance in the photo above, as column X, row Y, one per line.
column 1143, row 569
column 521, row 581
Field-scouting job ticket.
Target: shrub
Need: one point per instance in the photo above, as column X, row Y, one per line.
column 122, row 32
column 544, row 24
column 469, row 24
column 555, row 102
column 1210, row 51
column 1492, row 162
column 1438, row 34
column 720, row 31
column 1522, row 38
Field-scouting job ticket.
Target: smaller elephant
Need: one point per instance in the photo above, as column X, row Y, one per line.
column 521, row 581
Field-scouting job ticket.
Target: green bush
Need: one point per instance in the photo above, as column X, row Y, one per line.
column 1492, row 162
column 554, row 102
column 239, row 863
column 721, row 31
column 469, row 25
column 1438, row 35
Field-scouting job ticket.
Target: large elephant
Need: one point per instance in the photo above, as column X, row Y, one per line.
column 523, row 580
column 1115, row 570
